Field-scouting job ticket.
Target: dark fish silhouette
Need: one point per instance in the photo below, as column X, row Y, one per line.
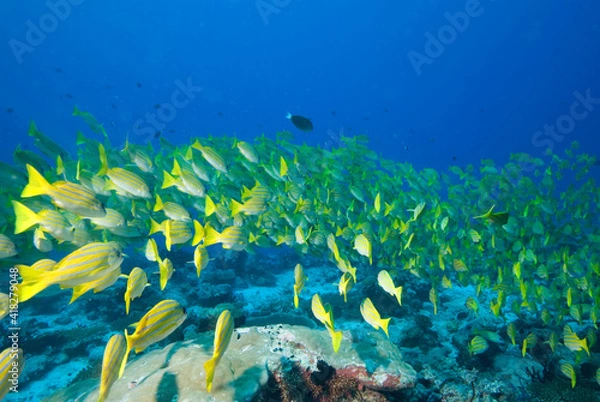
column 301, row 123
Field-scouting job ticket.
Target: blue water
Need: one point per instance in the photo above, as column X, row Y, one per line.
column 345, row 64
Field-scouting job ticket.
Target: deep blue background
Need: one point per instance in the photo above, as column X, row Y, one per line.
column 514, row 69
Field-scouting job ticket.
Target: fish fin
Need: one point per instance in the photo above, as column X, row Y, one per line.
column 198, row 233
column 103, row 160
column 398, row 293
column 129, row 341
column 81, row 140
column 288, row 115
column 585, row 347
column 158, row 205
column 78, row 291
column 155, row 227
column 236, row 207
column 336, row 339
column 37, row 185
column 163, row 275
column 32, row 284
column 211, row 236
column 209, row 207
column 127, row 301
column 168, row 181
column 384, row 323
column 167, row 233
column 176, row 168
column 25, row 217
column 209, row 368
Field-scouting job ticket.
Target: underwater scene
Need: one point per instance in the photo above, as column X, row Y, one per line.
column 284, row 200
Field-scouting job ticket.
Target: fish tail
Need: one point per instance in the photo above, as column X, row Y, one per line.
column 127, row 301
column 163, row 276
column 198, row 233
column 352, row 271
column 81, row 140
column 176, row 168
column 129, row 340
column 25, row 217
column 155, row 227
column 209, row 368
column 158, row 205
column 209, row 207
column 32, row 282
column 37, row 185
column 584, row 345
column 236, row 207
column 78, row 291
column 168, row 180
column 336, row 339
column 168, row 237
column 398, row 293
column 211, row 236
column 103, row 160
column 384, row 325
column 288, row 115
column 296, row 300
column 76, row 111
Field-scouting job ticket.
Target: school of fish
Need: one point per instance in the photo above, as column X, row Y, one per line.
column 510, row 230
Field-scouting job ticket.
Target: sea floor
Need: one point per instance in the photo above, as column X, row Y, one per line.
column 425, row 354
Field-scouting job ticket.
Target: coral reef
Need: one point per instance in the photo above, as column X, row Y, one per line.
column 265, row 363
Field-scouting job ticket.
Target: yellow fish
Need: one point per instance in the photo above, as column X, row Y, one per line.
column 232, row 237
column 477, row 345
column 172, row 210
column 345, row 285
column 158, row 323
column 372, row 317
column 211, row 156
column 573, row 342
column 500, row 218
column 247, row 150
column 136, row 282
column 386, row 282
column 324, row 314
column 86, row 264
column 201, row 258
column 64, row 194
column 11, row 365
column 223, row 333
column 300, row 279
column 112, row 364
column 122, row 180
column 50, row 221
column 363, row 246
column 7, row 247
